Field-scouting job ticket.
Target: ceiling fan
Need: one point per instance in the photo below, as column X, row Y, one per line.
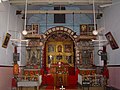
column 3, row 1
column 19, row 42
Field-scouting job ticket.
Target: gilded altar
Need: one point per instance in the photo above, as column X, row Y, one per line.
column 60, row 73
column 59, row 48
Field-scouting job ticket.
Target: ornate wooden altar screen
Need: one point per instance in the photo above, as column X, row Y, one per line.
column 59, row 49
column 60, row 74
column 59, row 52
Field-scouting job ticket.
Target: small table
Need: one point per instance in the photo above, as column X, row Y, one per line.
column 28, row 84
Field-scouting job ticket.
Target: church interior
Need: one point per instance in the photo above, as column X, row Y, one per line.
column 59, row 45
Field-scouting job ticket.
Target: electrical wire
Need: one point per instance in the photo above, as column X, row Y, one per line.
column 94, row 15
column 25, row 15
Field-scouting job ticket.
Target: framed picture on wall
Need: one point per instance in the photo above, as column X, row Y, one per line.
column 35, row 28
column 6, row 40
column 83, row 29
column 111, row 40
column 91, row 28
column 29, row 29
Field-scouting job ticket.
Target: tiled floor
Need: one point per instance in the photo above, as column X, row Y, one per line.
column 78, row 88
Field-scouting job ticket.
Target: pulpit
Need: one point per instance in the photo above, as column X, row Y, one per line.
column 60, row 74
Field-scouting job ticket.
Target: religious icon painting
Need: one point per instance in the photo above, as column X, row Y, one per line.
column 35, row 28
column 69, row 59
column 50, row 31
column 91, row 28
column 50, row 48
column 67, row 48
column 72, row 33
column 69, row 31
column 83, row 29
column 29, row 29
column 111, row 40
column 6, row 40
column 59, row 48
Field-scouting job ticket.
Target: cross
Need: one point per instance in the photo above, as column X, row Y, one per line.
column 62, row 88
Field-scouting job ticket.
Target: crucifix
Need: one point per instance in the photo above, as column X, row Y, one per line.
column 62, row 88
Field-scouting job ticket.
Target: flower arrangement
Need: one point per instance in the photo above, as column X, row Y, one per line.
column 31, row 73
column 26, row 73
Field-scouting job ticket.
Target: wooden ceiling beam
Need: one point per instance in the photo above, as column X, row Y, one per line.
column 60, row 11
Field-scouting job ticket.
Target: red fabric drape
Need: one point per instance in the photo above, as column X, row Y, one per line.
column 44, row 57
column 14, row 82
column 106, row 72
column 15, row 49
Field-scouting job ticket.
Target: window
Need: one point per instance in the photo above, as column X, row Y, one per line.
column 59, row 18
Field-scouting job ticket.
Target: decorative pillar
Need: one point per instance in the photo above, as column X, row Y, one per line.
column 15, row 65
column 104, row 51
column 91, row 58
column 15, row 68
column 80, row 58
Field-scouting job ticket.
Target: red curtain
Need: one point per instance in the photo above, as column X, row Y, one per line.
column 44, row 57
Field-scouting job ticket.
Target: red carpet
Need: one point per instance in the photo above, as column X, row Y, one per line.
column 49, row 79
column 58, row 88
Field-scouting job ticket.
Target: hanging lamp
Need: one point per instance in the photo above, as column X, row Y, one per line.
column 24, row 32
column 95, row 32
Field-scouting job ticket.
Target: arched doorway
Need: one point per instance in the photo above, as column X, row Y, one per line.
column 60, row 47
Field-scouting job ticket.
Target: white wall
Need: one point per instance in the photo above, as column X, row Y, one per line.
column 3, row 29
column 112, row 24
column 13, row 24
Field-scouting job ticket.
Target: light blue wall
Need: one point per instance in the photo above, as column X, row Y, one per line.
column 78, row 19
column 11, row 23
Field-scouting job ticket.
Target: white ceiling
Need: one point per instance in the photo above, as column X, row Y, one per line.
column 35, row 5
column 60, row 2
